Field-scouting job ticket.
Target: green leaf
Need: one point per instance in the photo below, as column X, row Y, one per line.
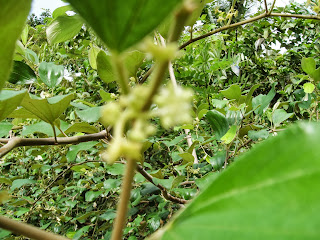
column 18, row 183
column 104, row 67
column 308, row 87
column 233, row 92
column 261, row 102
column 218, row 122
column 256, row 135
column 22, row 74
column 13, row 15
column 9, row 101
column 217, row 161
column 50, row 73
column 280, row 115
column 22, row 113
column 47, row 109
column 230, row 135
column 82, row 127
column 24, row 34
column 92, row 55
column 308, row 65
column 5, row 127
column 268, row 193
column 63, row 28
column 123, row 23
column 92, row 195
column 187, row 157
column 132, row 61
column 89, row 115
column 73, row 150
column 61, row 11
column 32, row 56
column 40, row 127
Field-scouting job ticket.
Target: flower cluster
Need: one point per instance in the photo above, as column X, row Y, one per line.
column 127, row 118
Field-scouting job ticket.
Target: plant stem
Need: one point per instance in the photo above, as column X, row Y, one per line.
column 122, row 209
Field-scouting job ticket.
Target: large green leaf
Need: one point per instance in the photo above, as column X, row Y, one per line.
column 13, row 15
column 47, row 109
column 218, row 123
column 50, row 73
column 22, row 74
column 9, row 101
column 123, row 23
column 269, row 193
column 63, row 28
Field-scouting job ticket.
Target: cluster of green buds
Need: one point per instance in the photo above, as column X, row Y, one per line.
column 131, row 125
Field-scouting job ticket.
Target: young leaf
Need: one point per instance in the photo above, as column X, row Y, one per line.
column 218, row 122
column 50, row 73
column 47, row 109
column 123, row 23
column 264, row 194
column 63, row 28
column 9, row 101
column 13, row 15
column 5, row 127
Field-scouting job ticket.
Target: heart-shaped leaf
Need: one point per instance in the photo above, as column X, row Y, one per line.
column 50, row 73
column 268, row 193
column 9, row 101
column 49, row 109
column 63, row 28
column 22, row 74
column 13, row 15
column 123, row 23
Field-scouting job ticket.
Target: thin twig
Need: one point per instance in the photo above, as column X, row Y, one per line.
column 164, row 191
column 261, row 16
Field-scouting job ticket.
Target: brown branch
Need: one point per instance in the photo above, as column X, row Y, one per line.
column 164, row 191
column 19, row 142
column 261, row 16
column 28, row 230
